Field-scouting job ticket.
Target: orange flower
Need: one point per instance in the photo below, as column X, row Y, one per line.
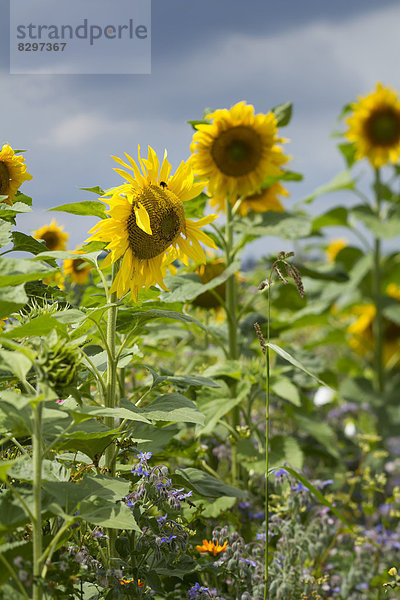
column 128, row 581
column 212, row 548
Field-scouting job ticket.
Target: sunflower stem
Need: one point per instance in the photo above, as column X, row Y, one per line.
column 37, row 499
column 111, row 390
column 267, row 398
column 378, row 324
column 231, row 310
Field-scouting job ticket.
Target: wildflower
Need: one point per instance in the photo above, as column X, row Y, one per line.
column 77, row 269
column 334, row 248
column 12, row 173
column 236, row 152
column 392, row 572
column 196, row 591
column 143, row 456
column 374, row 126
column 140, row 470
column 53, row 236
column 147, row 227
column 212, row 548
column 128, row 581
column 162, row 519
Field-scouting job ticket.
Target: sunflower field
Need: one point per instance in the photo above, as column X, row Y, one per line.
column 179, row 424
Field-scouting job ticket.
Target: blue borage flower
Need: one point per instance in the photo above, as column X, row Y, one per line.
column 196, row 592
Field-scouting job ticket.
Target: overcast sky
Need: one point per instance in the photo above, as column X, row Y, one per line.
column 319, row 54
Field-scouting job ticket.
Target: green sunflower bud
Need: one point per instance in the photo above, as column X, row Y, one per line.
column 59, row 363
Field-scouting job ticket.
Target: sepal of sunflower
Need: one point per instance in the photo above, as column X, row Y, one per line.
column 147, row 228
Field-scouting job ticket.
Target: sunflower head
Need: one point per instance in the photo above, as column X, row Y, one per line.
column 374, row 126
column 265, row 200
column 77, row 269
column 236, row 151
column 12, row 173
column 53, row 235
column 147, row 227
column 206, row 273
column 334, row 248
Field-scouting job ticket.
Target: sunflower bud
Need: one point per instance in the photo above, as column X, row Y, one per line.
column 59, row 363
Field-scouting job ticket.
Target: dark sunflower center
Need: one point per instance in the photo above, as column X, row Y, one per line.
column 4, row 179
column 237, row 151
column 383, row 127
column 76, row 265
column 167, row 221
column 51, row 239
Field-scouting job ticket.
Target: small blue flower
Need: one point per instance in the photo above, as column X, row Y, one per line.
column 261, row 537
column 299, row 487
column 143, row 456
column 162, row 519
column 139, row 470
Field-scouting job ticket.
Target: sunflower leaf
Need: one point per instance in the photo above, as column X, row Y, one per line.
column 90, row 208
column 283, row 113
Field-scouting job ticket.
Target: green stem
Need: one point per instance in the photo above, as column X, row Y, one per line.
column 37, row 499
column 378, row 324
column 267, row 398
column 231, row 312
column 111, row 392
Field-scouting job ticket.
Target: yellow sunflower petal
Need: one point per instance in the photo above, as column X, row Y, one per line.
column 142, row 218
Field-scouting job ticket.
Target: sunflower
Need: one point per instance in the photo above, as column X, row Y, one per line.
column 53, row 235
column 77, row 268
column 362, row 336
column 147, row 227
column 212, row 548
column 206, row 273
column 334, row 248
column 374, row 126
column 236, row 152
column 12, row 173
column 264, row 201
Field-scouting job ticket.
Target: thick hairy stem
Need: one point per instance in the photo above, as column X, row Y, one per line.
column 377, row 292
column 111, row 394
column 231, row 310
column 37, row 499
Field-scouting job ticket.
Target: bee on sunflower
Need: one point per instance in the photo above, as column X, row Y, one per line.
column 374, row 126
column 147, row 228
column 53, row 235
column 236, row 151
column 13, row 173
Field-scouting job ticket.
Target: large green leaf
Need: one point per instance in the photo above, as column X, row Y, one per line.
column 15, row 209
column 336, row 217
column 225, row 368
column 179, row 380
column 173, row 407
column 215, row 404
column 205, row 484
column 90, row 208
column 385, row 229
column 319, row 430
column 126, row 411
column 14, row 271
column 5, row 234
column 342, row 181
column 108, row 514
column 15, row 362
column 289, row 226
column 5, row 466
column 26, row 243
column 283, row 388
column 285, row 449
column 188, row 286
column 12, row 299
column 39, row 326
column 296, row 363
column 141, row 317
column 22, row 469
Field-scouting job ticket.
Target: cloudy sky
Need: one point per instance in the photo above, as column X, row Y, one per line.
column 318, row 54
